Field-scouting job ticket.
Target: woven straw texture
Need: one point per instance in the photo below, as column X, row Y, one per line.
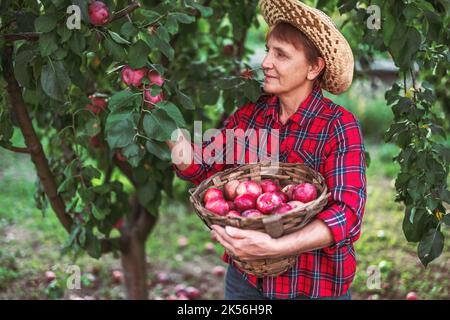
column 274, row 225
column 319, row 28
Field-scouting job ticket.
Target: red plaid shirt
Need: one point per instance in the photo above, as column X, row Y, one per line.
column 329, row 139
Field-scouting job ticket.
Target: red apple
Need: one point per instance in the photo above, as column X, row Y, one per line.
column 251, row 213
column 305, row 192
column 163, row 277
column 95, row 141
column 283, row 196
column 98, row 13
column 119, row 224
column 268, row 202
column 247, row 74
column 228, row 50
column 209, row 246
column 230, row 189
column 244, row 202
column 233, row 213
column 120, row 157
column 155, row 78
column 97, row 105
column 249, row 187
column 49, row 276
column 182, row 241
column 283, row 209
column 152, row 100
column 212, row 194
column 117, row 276
column 218, row 206
column 268, row 185
column 133, row 77
column 288, row 190
column 219, row 271
column 412, row 296
column 296, row 204
column 192, row 292
column 231, row 204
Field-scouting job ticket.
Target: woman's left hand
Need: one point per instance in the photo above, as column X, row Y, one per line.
column 246, row 244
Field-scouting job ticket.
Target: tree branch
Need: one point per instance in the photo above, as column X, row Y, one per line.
column 17, row 149
column 33, row 36
column 32, row 141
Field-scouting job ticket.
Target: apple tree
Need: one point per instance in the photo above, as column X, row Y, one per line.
column 95, row 88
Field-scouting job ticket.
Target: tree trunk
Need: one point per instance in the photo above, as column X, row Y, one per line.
column 135, row 269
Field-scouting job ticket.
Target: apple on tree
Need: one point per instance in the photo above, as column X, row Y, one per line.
column 133, row 77
column 98, row 13
column 97, row 104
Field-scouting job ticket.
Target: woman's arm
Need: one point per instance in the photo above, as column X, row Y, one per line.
column 251, row 245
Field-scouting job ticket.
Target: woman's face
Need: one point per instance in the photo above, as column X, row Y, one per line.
column 286, row 68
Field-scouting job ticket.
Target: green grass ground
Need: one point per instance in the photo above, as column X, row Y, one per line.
column 30, row 244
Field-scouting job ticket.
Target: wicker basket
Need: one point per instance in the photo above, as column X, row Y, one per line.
column 274, row 225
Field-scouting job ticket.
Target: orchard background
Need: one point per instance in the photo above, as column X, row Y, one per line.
column 86, row 182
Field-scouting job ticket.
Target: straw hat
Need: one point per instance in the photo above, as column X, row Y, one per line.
column 319, row 28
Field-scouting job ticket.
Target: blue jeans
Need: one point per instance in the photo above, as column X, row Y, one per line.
column 237, row 288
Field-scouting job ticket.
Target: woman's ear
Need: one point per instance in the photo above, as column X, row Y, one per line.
column 316, row 69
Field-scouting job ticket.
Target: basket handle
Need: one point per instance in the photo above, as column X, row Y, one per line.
column 273, row 225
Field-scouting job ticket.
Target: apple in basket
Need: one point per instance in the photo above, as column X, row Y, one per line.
column 230, row 189
column 304, row 192
column 212, row 194
column 287, row 190
column 268, row 185
column 218, row 206
column 244, row 202
column 251, row 213
column 283, row 196
column 233, row 213
column 268, row 202
column 249, row 187
column 283, row 208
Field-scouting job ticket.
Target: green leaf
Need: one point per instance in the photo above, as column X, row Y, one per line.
column 151, row 16
column 159, row 149
column 146, row 193
column 93, row 247
column 128, row 30
column 163, row 34
column 21, row 70
column 182, row 17
column 120, row 134
column 185, row 100
column 394, row 130
column 90, row 172
column 158, row 125
column 117, row 38
column 98, row 214
column 66, row 185
column 45, row 23
column 134, row 153
column 204, row 11
column 115, row 50
column 163, row 46
column 54, row 80
column 172, row 111
column 92, row 127
column 138, row 55
column 47, row 44
column 431, row 246
column 172, row 25
column 414, row 223
column 77, row 43
column 252, row 90
column 121, row 99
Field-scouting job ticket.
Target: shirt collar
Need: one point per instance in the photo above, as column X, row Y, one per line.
column 309, row 108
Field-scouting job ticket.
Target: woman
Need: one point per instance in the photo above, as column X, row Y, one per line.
column 305, row 52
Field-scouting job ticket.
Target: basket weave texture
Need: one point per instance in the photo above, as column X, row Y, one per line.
column 274, row 225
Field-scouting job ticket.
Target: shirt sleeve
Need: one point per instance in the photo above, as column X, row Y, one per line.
column 345, row 175
column 200, row 169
